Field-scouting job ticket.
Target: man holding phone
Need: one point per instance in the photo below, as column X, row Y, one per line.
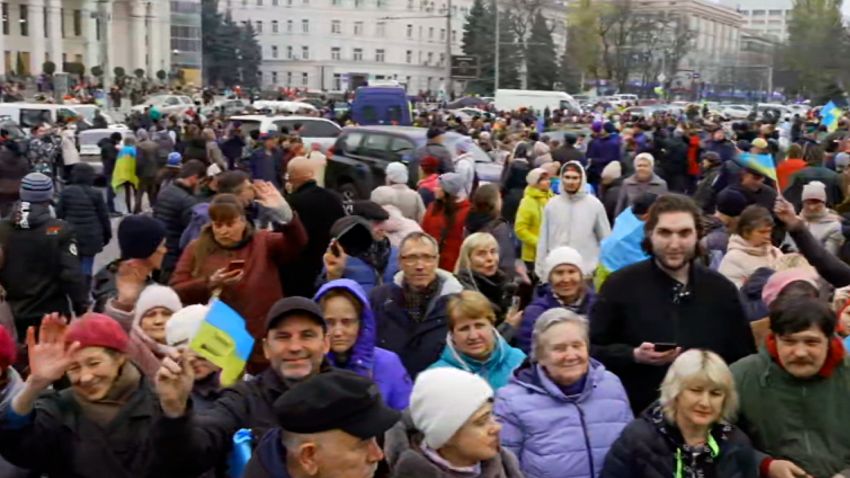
column 646, row 314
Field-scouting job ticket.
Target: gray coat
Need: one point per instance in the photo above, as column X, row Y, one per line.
column 401, row 447
column 632, row 188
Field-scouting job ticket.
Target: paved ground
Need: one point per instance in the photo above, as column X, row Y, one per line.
column 111, row 252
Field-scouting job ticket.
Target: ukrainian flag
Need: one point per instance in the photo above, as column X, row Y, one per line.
column 829, row 116
column 223, row 340
column 760, row 163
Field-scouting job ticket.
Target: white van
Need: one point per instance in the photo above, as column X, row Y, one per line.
column 512, row 100
column 28, row 115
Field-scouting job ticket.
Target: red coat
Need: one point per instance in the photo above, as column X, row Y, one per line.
column 693, row 156
column 265, row 254
column 435, row 221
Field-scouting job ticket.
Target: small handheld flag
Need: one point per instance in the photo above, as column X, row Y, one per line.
column 760, row 163
column 223, row 340
column 829, row 115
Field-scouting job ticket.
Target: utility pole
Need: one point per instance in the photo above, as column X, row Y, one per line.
column 103, row 32
column 496, row 55
column 449, row 86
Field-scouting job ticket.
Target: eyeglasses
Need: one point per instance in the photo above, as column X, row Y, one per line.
column 417, row 258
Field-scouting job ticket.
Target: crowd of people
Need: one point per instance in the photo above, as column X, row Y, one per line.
column 641, row 301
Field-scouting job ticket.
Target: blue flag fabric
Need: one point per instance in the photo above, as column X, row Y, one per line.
column 760, row 163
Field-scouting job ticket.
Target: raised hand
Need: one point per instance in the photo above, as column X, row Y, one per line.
column 130, row 280
column 49, row 357
column 174, row 382
column 335, row 259
column 785, row 212
column 268, row 195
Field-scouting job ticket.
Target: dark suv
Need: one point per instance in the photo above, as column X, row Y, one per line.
column 361, row 154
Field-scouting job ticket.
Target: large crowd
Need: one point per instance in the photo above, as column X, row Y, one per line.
column 634, row 297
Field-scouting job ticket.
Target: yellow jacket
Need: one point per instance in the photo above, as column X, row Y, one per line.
column 529, row 216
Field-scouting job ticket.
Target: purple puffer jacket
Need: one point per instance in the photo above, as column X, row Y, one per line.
column 381, row 365
column 543, row 300
column 555, row 436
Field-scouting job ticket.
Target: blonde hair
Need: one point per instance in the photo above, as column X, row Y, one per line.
column 469, row 304
column 696, row 364
column 472, row 242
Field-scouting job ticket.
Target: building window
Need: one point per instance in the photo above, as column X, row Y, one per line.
column 25, row 27
column 259, row 26
column 430, row 33
column 336, row 3
column 274, row 4
column 288, row 3
column 379, row 55
column 358, row 3
column 305, row 52
column 380, row 29
column 381, row 3
column 45, row 16
column 274, row 51
column 410, row 4
column 274, row 77
column 289, row 53
column 305, row 79
column 259, row 3
column 62, row 24
column 288, row 78
column 358, row 28
column 305, row 26
column 335, row 53
column 442, row 59
column 442, row 34
column 358, row 54
column 78, row 23
column 454, row 35
column 5, row 18
column 336, row 26
column 289, row 26
column 408, row 56
column 409, row 32
column 430, row 58
column 275, row 26
column 337, row 86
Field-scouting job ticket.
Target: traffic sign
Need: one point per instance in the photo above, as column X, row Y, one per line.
column 464, row 67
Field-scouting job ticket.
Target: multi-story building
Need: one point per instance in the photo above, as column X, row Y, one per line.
column 765, row 17
column 67, row 31
column 186, row 39
column 340, row 44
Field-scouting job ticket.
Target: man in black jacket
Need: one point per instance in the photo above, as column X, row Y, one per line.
column 318, row 209
column 646, row 314
column 39, row 267
column 568, row 152
column 108, row 157
column 174, row 208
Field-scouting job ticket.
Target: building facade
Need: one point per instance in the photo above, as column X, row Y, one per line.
column 337, row 45
column 767, row 18
column 186, row 40
column 68, row 31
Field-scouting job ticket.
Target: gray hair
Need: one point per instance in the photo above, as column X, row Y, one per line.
column 421, row 237
column 551, row 318
column 696, row 364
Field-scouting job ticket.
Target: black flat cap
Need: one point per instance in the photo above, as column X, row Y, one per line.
column 291, row 306
column 370, row 210
column 335, row 400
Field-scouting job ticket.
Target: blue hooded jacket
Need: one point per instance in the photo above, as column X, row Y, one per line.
column 381, row 365
column 496, row 370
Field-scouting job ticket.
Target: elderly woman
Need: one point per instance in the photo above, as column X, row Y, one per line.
column 644, row 180
column 353, row 335
column 99, row 427
column 687, row 433
column 750, row 247
column 239, row 264
column 561, row 412
column 449, row 431
column 473, row 343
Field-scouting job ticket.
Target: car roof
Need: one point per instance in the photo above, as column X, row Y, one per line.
column 403, row 130
column 278, row 117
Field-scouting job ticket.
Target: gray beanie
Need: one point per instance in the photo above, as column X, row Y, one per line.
column 452, row 184
column 36, row 188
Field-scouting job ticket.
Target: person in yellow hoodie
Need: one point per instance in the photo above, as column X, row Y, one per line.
column 529, row 215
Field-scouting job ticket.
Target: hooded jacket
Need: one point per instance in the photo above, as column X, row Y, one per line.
column 529, row 217
column 406, row 459
column 576, row 220
column 83, row 207
column 601, row 151
column 496, row 370
column 826, row 228
column 372, row 268
column 397, row 227
column 418, row 344
column 542, row 300
column 381, row 365
column 560, row 436
column 449, row 236
column 742, row 259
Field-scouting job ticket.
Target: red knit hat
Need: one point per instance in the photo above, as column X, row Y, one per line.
column 97, row 330
column 8, row 349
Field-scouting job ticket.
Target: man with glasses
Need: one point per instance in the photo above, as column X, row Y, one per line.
column 411, row 311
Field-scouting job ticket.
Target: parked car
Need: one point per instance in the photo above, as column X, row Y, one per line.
column 314, row 130
column 28, row 115
column 361, row 154
column 736, row 112
column 167, row 104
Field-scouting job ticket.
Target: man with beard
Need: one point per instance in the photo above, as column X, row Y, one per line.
column 648, row 313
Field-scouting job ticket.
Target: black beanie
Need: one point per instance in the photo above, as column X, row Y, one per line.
column 139, row 236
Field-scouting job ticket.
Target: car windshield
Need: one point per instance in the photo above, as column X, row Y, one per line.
column 86, row 113
column 312, row 128
column 248, row 125
column 94, row 137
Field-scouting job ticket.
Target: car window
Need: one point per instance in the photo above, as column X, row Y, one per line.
column 63, row 114
column 249, row 125
column 312, row 129
column 31, row 118
column 351, row 142
column 376, row 145
column 394, row 114
column 370, row 115
column 399, row 147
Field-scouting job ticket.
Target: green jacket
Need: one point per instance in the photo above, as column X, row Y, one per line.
column 804, row 421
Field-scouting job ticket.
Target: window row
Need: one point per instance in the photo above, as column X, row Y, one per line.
column 357, row 54
column 23, row 21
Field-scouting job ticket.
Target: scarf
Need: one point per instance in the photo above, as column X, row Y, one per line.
column 416, row 302
column 692, row 461
column 833, row 358
column 103, row 411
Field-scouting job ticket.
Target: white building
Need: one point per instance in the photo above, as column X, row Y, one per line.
column 767, row 17
column 66, row 31
column 340, row 44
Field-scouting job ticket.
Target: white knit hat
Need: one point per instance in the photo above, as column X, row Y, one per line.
column 612, row 170
column 533, row 176
column 646, row 157
column 443, row 399
column 814, row 190
column 184, row 324
column 383, row 195
column 397, row 173
column 153, row 296
column 560, row 256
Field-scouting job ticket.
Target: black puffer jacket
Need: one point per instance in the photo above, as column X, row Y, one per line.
column 83, row 207
column 647, row 449
column 174, row 208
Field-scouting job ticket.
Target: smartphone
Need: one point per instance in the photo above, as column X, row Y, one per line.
column 515, row 302
column 236, row 265
column 665, row 346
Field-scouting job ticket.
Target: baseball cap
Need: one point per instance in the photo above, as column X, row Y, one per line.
column 335, row 400
column 294, row 305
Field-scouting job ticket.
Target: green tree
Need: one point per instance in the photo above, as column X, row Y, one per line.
column 479, row 39
column 119, row 72
column 161, row 75
column 97, row 71
column 815, row 36
column 228, row 48
column 139, row 73
column 540, row 56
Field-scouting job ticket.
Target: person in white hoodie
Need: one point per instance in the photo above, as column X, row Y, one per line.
column 823, row 223
column 397, row 227
column 573, row 218
column 409, row 201
column 465, row 165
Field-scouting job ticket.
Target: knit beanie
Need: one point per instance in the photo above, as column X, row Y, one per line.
column 533, row 177
column 97, row 330
column 397, row 173
column 814, row 190
column 139, row 236
column 383, row 196
column 154, row 296
column 443, row 399
column 842, row 161
column 612, row 170
column 731, row 202
column 184, row 324
column 646, row 157
column 452, row 184
column 781, row 279
column 560, row 256
column 175, row 160
column 36, row 188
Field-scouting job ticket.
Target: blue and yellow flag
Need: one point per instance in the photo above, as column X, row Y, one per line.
column 223, row 340
column 760, row 163
column 829, row 116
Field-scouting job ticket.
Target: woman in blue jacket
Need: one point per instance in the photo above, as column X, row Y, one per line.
column 352, row 331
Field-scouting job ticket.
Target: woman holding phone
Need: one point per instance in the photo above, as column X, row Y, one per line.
column 238, row 264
